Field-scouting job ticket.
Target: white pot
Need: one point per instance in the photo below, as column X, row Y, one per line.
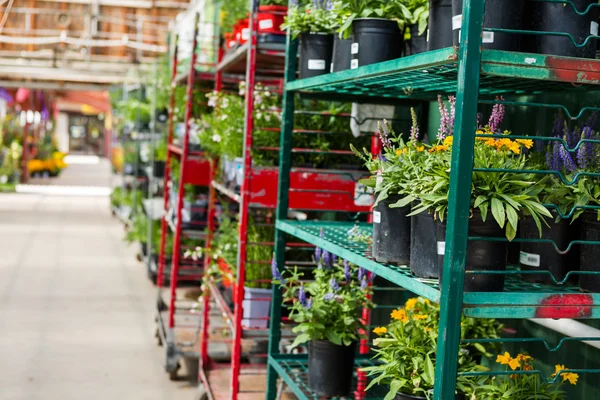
column 257, row 307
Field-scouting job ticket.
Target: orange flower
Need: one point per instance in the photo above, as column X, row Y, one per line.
column 380, row 330
column 400, row 315
column 506, row 359
column 420, row 317
column 525, row 142
column 411, row 303
column 438, row 148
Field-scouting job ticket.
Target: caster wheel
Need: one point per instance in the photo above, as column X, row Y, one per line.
column 159, row 341
column 201, row 393
column 173, row 375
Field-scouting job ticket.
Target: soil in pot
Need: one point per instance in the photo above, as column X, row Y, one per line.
column 559, row 17
column 496, row 16
column 391, row 232
column 484, row 255
column 544, row 256
column 426, row 246
column 590, row 253
column 439, row 31
column 375, row 40
column 417, row 43
column 330, row 368
column 316, row 50
column 342, row 53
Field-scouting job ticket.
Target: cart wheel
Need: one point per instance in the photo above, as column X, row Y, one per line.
column 201, row 393
column 159, row 341
column 173, row 374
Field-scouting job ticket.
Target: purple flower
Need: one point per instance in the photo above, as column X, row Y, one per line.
column 326, row 259
column 275, row 271
column 479, row 118
column 329, row 297
column 334, row 285
column 559, row 126
column 497, row 116
column 329, row 5
column 347, row 274
column 302, row 297
column 318, row 253
column 452, row 100
column 414, row 129
column 383, row 158
column 334, row 259
column 592, row 121
column 361, row 273
column 383, row 135
column 444, row 119
column 309, row 304
column 363, row 283
column 566, row 159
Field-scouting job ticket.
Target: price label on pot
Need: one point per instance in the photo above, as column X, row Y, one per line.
column 354, row 48
column 376, row 217
column 316, row 65
column 456, row 22
column 594, row 28
column 441, row 248
column 531, row 260
column 265, row 24
column 488, row 37
column 245, row 34
column 363, row 195
column 354, row 64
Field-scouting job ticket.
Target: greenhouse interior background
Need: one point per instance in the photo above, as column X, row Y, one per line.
column 303, row 199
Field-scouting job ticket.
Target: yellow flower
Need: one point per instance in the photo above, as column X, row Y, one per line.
column 506, row 359
column 400, row 315
column 571, row 377
column 525, row 142
column 421, row 149
column 380, row 330
column 448, row 141
column 427, row 302
column 411, row 303
column 400, row 151
column 524, row 357
column 558, row 368
column 438, row 148
column 420, row 317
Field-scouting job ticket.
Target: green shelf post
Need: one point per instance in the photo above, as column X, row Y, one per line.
column 459, row 200
column 285, row 162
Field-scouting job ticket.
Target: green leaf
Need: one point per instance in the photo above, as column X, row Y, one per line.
column 349, row 321
column 333, row 337
column 498, row 212
column 301, row 339
column 479, row 200
column 513, row 217
column 395, row 386
column 403, row 202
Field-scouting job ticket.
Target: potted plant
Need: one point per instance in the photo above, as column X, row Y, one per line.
column 160, row 159
column 314, row 23
column 328, row 313
column 377, row 26
column 416, row 29
column 495, row 17
column 271, row 15
column 439, row 34
column 525, row 383
column 405, row 351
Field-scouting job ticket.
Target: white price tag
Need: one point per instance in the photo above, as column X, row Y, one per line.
column 265, row 24
column 376, row 217
column 354, row 64
column 316, row 65
column 441, row 248
column 354, row 48
column 456, row 22
column 488, row 37
column 594, row 28
column 245, row 33
column 531, row 260
column 363, row 195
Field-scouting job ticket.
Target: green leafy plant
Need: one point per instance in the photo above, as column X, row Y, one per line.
column 388, row 9
column 522, row 385
column 317, row 16
column 138, row 230
column 419, row 14
column 160, row 151
column 329, row 307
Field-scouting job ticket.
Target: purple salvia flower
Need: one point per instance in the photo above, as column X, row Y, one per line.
column 318, row 253
column 414, row 129
column 347, row 271
column 334, row 259
column 302, row 297
column 361, row 273
column 567, row 160
column 497, row 116
column 363, row 283
column 559, row 126
column 333, row 284
column 452, row 100
column 329, row 297
column 275, row 271
column 384, row 134
column 444, row 119
column 326, row 259
column 329, row 5
column 383, row 158
column 585, row 153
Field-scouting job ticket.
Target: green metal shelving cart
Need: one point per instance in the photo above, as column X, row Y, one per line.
column 476, row 76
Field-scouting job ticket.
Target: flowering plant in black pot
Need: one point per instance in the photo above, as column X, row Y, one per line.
column 314, row 22
column 416, row 26
column 328, row 313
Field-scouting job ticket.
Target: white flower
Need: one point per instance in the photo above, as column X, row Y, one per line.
column 212, row 102
column 216, row 138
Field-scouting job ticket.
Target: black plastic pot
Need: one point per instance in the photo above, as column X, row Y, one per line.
column 330, row 368
column 439, row 33
column 507, row 14
column 543, row 256
column 391, row 232
column 342, row 53
column 484, row 255
column 375, row 40
column 590, row 254
column 315, row 54
column 403, row 396
column 417, row 44
column 559, row 17
column 158, row 169
column 426, row 245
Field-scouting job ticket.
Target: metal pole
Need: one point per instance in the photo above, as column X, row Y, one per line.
column 285, row 155
column 459, row 200
column 245, row 200
column 150, row 211
column 163, row 225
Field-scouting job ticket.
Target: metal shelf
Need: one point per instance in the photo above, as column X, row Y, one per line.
column 520, row 299
column 293, row 369
column 269, row 55
column 428, row 74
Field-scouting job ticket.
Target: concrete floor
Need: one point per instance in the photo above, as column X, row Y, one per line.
column 76, row 308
